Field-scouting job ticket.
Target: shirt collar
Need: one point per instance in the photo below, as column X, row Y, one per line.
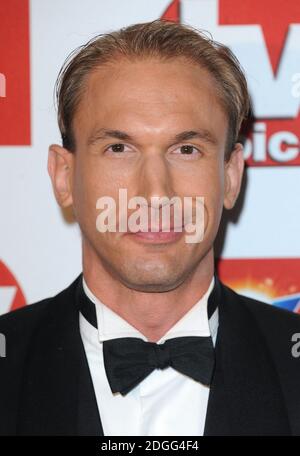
column 194, row 323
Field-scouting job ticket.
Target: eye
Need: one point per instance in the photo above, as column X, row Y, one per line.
column 117, row 148
column 187, row 149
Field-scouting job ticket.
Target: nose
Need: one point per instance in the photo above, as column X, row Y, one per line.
column 155, row 179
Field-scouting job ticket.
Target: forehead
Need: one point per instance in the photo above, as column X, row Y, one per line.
column 150, row 91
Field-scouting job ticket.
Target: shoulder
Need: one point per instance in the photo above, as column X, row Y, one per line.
column 279, row 328
column 21, row 321
column 278, row 331
column 267, row 315
column 25, row 315
column 23, row 327
column 24, row 331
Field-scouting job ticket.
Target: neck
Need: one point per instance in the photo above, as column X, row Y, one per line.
column 153, row 314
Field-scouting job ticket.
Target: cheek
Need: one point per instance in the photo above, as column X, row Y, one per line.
column 92, row 181
column 85, row 190
column 213, row 192
column 210, row 181
column 103, row 176
column 90, row 184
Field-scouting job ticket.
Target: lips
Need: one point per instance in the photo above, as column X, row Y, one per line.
column 160, row 230
column 157, row 229
column 158, row 237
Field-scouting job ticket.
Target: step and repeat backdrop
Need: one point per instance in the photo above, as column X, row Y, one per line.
column 258, row 248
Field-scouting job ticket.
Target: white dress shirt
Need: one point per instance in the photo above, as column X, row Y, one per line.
column 166, row 403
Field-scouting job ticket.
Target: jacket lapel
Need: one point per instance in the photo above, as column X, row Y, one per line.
column 57, row 376
column 245, row 396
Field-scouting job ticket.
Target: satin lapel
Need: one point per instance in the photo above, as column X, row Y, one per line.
column 55, row 372
column 88, row 419
column 245, row 396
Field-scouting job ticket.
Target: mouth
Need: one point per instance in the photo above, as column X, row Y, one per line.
column 159, row 236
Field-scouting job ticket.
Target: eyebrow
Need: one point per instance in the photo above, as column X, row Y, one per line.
column 104, row 133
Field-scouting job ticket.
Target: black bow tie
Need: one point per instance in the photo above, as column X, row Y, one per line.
column 129, row 360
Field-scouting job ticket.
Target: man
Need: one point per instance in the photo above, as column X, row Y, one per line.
column 148, row 341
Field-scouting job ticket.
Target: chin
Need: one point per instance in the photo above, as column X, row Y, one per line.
column 155, row 281
column 152, row 287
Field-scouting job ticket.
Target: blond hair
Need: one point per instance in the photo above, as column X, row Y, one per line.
column 162, row 39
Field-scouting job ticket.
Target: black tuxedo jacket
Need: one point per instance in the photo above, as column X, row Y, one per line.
column 46, row 387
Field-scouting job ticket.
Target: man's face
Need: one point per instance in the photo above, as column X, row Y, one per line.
column 152, row 102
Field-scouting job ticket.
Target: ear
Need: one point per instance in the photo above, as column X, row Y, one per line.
column 60, row 169
column 234, row 169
